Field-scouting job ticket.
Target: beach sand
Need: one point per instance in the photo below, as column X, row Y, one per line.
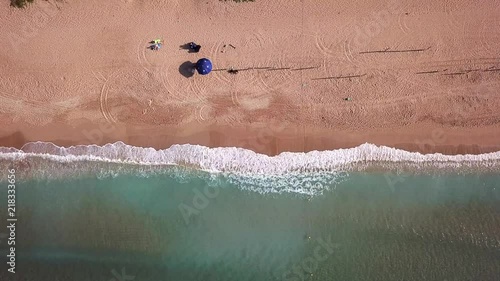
column 422, row 76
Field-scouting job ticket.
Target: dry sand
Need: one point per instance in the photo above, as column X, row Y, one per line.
column 421, row 75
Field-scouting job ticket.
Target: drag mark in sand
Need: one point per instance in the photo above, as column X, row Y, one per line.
column 340, row 77
column 258, row 68
column 388, row 50
column 305, row 68
column 426, row 77
column 467, row 71
column 428, row 72
column 454, row 73
column 279, row 68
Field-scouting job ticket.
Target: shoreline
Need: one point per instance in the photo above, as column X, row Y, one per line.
column 323, row 83
column 259, row 138
column 154, row 154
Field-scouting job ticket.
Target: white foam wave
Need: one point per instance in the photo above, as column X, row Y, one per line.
column 239, row 160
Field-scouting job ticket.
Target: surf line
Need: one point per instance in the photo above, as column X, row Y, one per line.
column 11, row 220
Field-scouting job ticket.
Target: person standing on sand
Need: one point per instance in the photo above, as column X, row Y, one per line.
column 194, row 47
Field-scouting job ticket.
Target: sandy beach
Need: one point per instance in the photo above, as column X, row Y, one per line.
column 314, row 75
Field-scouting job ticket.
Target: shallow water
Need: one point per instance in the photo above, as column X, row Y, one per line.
column 184, row 224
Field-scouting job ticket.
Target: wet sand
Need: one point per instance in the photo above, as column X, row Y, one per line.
column 261, row 138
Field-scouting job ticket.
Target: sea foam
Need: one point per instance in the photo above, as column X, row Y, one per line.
column 239, row 160
column 308, row 174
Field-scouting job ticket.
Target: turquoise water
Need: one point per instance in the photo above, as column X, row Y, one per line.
column 191, row 225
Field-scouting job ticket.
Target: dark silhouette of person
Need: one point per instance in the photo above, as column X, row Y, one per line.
column 194, row 47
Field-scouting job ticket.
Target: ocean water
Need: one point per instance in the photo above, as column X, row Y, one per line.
column 118, row 213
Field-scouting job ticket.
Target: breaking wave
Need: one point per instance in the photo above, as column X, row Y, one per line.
column 308, row 173
column 232, row 159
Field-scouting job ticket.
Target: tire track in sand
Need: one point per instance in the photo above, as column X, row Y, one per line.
column 103, row 98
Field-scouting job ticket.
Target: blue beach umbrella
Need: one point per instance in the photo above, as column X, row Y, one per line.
column 204, row 66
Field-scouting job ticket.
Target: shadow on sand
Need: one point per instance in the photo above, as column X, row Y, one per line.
column 187, row 69
column 190, row 49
